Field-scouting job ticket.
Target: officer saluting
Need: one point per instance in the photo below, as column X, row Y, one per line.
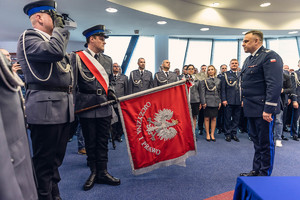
column 165, row 76
column 49, row 101
column 94, row 71
column 140, row 79
column 261, row 88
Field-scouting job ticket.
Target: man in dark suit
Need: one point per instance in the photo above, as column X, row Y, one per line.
column 49, row 101
column 220, row 118
column 16, row 172
column 140, row 79
column 231, row 100
column 120, row 84
column 295, row 76
column 165, row 76
column 94, row 71
column 261, row 88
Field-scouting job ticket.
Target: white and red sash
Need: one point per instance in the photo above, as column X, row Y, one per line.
column 96, row 68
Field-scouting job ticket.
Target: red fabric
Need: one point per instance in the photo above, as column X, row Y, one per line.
column 136, row 113
column 93, row 70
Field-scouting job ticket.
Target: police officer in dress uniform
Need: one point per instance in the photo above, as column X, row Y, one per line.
column 165, row 76
column 120, row 84
column 95, row 123
column 140, row 79
column 49, row 101
column 220, row 118
column 261, row 88
column 231, row 100
column 295, row 76
column 16, row 172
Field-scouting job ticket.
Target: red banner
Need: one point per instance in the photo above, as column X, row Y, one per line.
column 158, row 129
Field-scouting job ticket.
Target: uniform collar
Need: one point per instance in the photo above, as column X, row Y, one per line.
column 253, row 54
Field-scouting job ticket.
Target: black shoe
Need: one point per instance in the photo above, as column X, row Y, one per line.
column 235, row 139
column 284, row 138
column 295, row 137
column 208, row 140
column 201, row 132
column 227, row 138
column 250, row 138
column 213, row 140
column 119, row 139
column 89, row 183
column 219, row 131
column 251, row 173
column 285, row 129
column 105, row 178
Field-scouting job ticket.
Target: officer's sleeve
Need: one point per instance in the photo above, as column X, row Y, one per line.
column 202, row 92
column 39, row 50
column 130, row 84
column 223, row 89
column 151, row 81
column 155, row 80
column 293, row 96
column 272, row 68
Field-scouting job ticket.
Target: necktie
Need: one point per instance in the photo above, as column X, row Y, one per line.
column 96, row 56
column 167, row 74
column 142, row 73
column 115, row 77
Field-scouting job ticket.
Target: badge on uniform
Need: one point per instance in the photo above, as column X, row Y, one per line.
column 136, row 81
column 273, row 60
column 230, row 82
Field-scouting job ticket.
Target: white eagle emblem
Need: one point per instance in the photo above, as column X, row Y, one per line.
column 161, row 125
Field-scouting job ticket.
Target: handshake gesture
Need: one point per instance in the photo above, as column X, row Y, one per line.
column 58, row 20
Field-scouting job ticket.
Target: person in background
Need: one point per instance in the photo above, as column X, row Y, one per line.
column 201, row 76
column 184, row 73
column 164, row 76
column 210, row 100
column 295, row 76
column 177, row 71
column 140, row 79
column 220, row 118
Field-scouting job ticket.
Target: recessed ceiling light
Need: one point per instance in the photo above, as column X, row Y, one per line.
column 215, row 4
column 161, row 22
column 204, row 29
column 293, row 32
column 265, row 4
column 111, row 10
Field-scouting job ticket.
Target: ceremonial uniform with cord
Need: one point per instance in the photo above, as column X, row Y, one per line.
column 93, row 72
column 139, row 80
column 163, row 77
column 48, row 99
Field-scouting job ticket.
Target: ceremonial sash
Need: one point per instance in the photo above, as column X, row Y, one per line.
column 96, row 69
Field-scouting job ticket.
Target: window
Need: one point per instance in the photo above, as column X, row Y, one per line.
column 116, row 47
column 177, row 48
column 223, row 52
column 144, row 49
column 287, row 49
column 199, row 53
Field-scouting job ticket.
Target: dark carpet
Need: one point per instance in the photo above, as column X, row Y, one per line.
column 212, row 171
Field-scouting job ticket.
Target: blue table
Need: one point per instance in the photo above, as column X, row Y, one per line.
column 267, row 187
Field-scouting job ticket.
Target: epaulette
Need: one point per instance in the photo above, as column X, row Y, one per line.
column 268, row 50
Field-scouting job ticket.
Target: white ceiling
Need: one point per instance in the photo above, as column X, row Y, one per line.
column 184, row 17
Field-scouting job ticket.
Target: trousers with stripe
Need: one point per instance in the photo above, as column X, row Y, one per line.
column 261, row 133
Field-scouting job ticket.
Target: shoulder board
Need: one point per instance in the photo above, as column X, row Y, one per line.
column 268, row 50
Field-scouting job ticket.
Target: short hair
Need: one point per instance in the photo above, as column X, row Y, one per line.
column 140, row 59
column 234, row 59
column 190, row 66
column 215, row 74
column 223, row 65
column 256, row 32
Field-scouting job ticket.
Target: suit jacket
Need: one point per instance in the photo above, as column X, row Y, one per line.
column 230, row 88
column 262, row 83
column 83, row 99
column 160, row 78
column 16, row 171
column 120, row 85
column 208, row 95
column 42, row 106
column 195, row 91
column 139, row 83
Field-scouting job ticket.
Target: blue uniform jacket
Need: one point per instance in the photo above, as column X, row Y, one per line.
column 230, row 88
column 262, row 83
column 295, row 76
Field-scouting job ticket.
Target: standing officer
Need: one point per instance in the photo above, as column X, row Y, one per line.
column 120, row 84
column 220, row 118
column 261, row 88
column 49, row 101
column 94, row 71
column 231, row 100
column 165, row 76
column 295, row 76
column 140, row 79
column 16, row 172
